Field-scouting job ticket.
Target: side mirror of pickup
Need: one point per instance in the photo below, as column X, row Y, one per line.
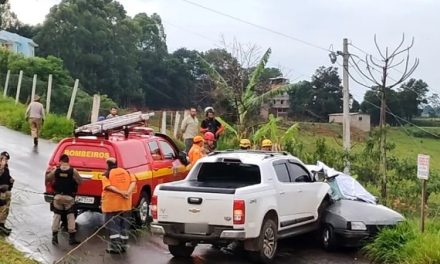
column 169, row 156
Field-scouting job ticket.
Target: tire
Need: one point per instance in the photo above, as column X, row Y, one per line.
column 142, row 212
column 181, row 250
column 328, row 238
column 267, row 243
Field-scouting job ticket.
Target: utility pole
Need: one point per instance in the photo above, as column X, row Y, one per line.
column 346, row 105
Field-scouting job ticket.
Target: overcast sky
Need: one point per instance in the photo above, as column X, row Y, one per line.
column 320, row 22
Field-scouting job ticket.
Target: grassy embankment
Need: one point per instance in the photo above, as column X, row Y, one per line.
column 12, row 116
column 10, row 255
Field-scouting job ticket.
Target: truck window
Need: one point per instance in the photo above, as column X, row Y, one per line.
column 154, row 150
column 282, row 172
column 132, row 154
column 167, row 150
column 297, row 173
column 229, row 172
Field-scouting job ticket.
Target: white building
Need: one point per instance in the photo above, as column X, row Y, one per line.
column 358, row 120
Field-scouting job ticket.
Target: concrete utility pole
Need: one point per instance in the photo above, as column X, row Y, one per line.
column 346, row 104
column 17, row 96
column 5, row 91
column 72, row 99
column 34, row 87
column 49, row 93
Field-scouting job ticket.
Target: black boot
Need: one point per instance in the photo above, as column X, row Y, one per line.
column 6, row 231
column 72, row 240
column 54, row 238
column 114, row 247
column 35, row 141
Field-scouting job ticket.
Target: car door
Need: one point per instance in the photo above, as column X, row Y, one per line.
column 160, row 166
column 307, row 191
column 286, row 195
column 170, row 154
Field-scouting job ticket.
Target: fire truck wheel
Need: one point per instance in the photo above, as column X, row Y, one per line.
column 142, row 212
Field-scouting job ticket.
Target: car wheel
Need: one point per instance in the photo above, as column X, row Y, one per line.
column 142, row 212
column 181, row 250
column 267, row 243
column 328, row 238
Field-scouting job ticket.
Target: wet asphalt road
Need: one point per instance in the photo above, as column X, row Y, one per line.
column 30, row 219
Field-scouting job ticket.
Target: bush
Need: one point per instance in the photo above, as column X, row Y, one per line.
column 405, row 244
column 13, row 116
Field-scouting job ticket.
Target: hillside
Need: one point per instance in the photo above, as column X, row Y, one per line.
column 406, row 146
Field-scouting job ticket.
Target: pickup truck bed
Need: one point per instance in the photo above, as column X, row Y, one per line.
column 204, row 187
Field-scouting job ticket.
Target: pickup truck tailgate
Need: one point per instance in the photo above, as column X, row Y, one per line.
column 195, row 207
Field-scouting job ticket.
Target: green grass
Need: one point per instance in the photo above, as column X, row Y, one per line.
column 12, row 116
column 10, row 255
column 405, row 244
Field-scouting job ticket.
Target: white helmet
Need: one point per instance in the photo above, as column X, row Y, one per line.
column 209, row 109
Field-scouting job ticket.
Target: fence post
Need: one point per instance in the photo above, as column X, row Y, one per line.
column 34, row 86
column 95, row 108
column 176, row 124
column 49, row 93
column 20, row 76
column 5, row 90
column 163, row 128
column 72, row 99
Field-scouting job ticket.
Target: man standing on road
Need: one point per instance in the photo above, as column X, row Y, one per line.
column 65, row 181
column 118, row 186
column 189, row 128
column 6, row 182
column 35, row 115
column 113, row 112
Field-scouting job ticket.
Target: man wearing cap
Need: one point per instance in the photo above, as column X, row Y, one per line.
column 65, row 181
column 6, row 182
column 245, row 144
column 117, row 189
column 35, row 115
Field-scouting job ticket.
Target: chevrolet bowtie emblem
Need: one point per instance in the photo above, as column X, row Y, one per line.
column 194, row 210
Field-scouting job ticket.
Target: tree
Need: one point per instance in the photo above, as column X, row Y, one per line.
column 383, row 81
column 8, row 19
column 411, row 95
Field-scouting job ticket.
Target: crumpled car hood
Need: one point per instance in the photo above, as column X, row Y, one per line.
column 370, row 214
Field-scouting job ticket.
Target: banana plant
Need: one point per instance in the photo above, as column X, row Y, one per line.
column 247, row 99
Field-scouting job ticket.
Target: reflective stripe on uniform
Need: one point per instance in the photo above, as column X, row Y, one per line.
column 115, row 236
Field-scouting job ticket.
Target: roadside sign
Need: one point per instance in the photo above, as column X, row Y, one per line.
column 423, row 167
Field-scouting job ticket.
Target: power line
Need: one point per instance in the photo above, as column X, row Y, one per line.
column 256, row 25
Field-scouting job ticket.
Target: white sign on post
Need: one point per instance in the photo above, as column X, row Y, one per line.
column 423, row 167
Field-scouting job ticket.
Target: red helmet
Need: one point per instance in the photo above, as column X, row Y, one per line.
column 209, row 136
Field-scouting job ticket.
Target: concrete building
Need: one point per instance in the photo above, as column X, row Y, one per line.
column 358, row 120
column 278, row 105
column 17, row 44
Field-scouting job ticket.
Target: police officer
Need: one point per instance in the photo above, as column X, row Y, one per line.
column 65, row 181
column 211, row 124
column 6, row 182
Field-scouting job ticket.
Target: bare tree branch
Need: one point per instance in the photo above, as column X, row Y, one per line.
column 377, row 47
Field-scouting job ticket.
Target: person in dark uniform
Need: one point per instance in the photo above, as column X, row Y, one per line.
column 65, row 181
column 6, row 183
column 211, row 124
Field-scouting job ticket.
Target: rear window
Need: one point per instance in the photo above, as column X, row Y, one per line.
column 235, row 172
column 86, row 156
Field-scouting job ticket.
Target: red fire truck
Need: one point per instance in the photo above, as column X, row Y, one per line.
column 152, row 157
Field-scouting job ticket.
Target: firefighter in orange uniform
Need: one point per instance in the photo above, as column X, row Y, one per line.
column 196, row 152
column 118, row 186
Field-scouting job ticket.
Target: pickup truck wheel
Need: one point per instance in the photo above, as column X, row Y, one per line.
column 181, row 250
column 142, row 212
column 328, row 238
column 267, row 242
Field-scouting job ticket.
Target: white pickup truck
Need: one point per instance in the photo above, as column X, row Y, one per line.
column 248, row 196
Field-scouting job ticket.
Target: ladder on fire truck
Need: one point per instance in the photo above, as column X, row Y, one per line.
column 112, row 124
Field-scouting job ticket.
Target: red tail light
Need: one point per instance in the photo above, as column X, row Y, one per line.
column 153, row 207
column 239, row 212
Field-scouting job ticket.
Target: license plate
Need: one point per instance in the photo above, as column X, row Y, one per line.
column 85, row 199
column 196, row 229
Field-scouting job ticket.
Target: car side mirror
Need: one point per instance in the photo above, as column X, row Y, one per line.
column 169, row 156
column 303, row 178
column 183, row 158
